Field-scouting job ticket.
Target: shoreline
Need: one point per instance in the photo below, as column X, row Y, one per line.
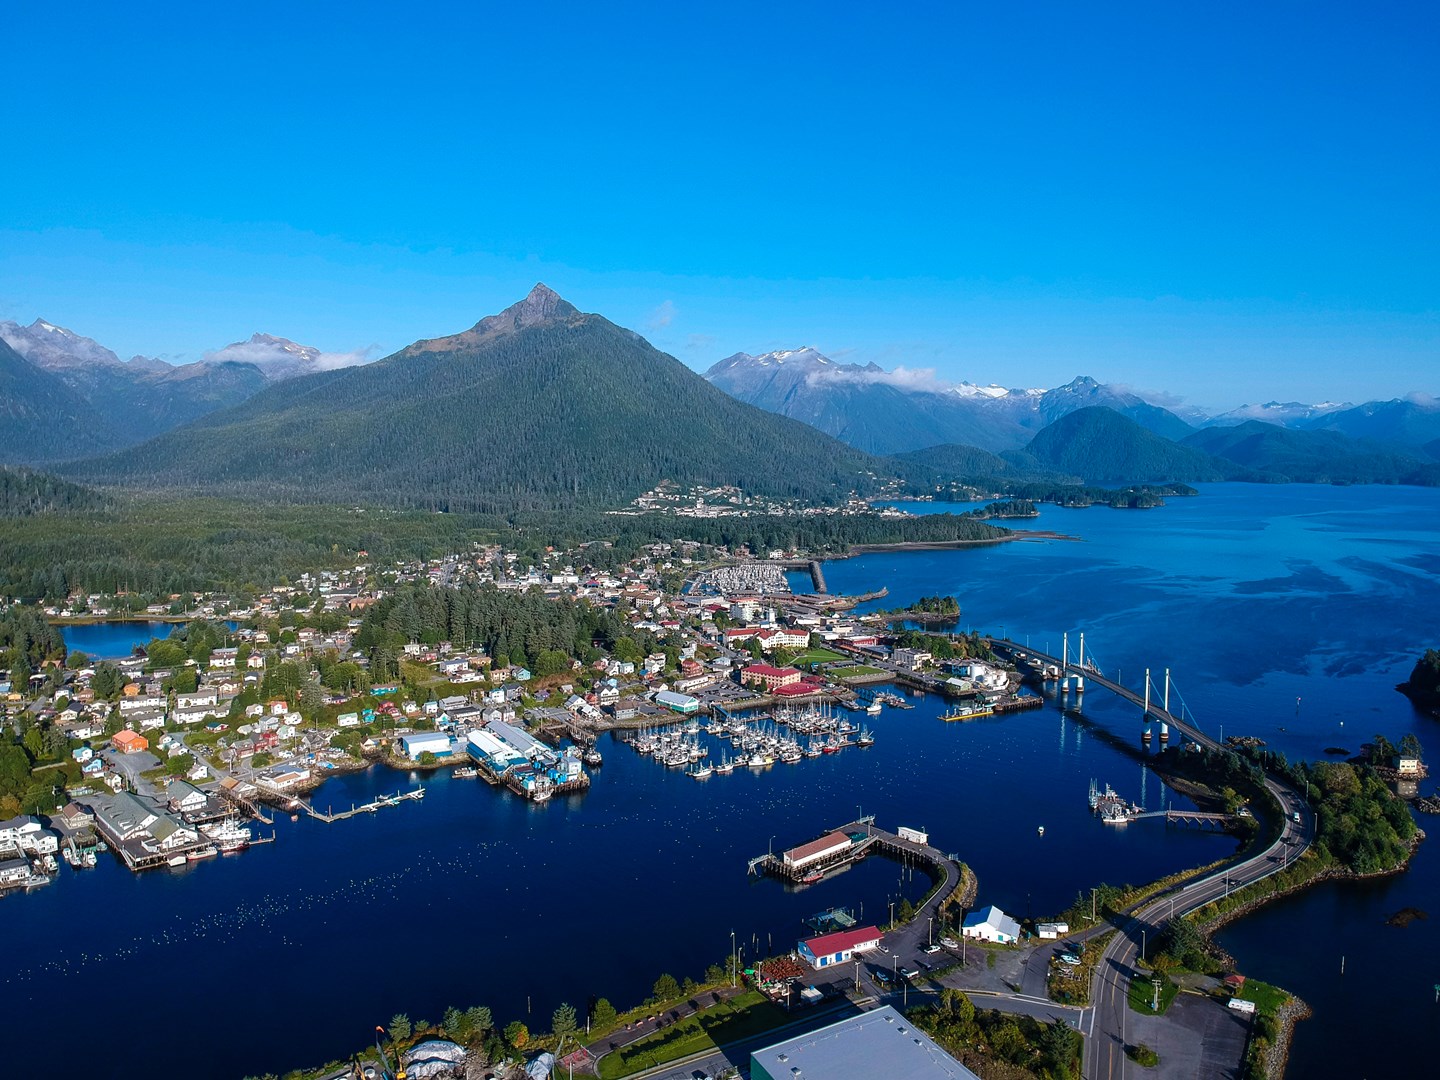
column 1011, row 536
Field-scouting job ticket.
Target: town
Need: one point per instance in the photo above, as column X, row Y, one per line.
column 178, row 752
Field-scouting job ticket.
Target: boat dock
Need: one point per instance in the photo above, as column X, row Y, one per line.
column 368, row 808
column 853, row 841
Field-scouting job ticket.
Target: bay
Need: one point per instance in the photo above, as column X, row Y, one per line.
column 1253, row 596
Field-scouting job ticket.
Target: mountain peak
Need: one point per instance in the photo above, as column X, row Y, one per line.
column 541, row 305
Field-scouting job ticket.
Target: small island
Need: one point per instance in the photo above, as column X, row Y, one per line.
column 1423, row 686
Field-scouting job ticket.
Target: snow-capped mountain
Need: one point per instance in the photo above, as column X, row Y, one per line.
column 888, row 412
column 1282, row 413
column 55, row 348
column 281, row 358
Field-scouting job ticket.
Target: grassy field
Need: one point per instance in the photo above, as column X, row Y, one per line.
column 1267, row 998
column 816, row 656
column 1142, row 994
column 739, row 1018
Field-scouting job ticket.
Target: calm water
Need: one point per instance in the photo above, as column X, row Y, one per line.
column 1252, row 595
column 116, row 640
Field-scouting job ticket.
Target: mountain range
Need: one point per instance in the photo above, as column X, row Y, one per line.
column 540, row 406
column 545, row 406
column 886, row 412
column 103, row 402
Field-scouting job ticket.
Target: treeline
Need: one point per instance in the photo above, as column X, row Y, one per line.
column 1132, row 497
column 157, row 547
column 523, row 628
column 26, row 642
column 24, row 494
column 1359, row 821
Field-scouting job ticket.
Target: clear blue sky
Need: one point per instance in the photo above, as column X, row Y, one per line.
column 1232, row 202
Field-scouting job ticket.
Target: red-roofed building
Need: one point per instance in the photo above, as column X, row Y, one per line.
column 769, row 678
column 830, row 949
column 829, row 844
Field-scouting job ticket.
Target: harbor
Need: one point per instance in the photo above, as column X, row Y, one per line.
column 756, row 741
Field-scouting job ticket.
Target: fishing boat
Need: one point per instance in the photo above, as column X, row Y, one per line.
column 865, row 738
column 700, row 772
column 760, row 759
column 873, row 708
column 228, row 835
column 207, row 852
column 726, row 766
column 467, row 772
column 592, row 757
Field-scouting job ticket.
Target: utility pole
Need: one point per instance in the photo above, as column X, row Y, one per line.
column 733, row 964
column 930, row 935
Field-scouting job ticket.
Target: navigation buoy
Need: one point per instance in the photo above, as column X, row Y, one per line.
column 1041, row 830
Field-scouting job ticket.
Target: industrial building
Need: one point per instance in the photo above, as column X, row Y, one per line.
column 827, row 950
column 877, row 1043
column 681, row 703
column 830, row 844
column 425, row 742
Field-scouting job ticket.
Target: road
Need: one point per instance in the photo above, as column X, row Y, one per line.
column 1109, row 993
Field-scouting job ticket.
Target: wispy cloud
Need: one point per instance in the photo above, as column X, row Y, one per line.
column 911, row 380
column 279, row 355
column 662, row 316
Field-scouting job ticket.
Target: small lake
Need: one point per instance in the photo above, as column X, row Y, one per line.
column 117, row 640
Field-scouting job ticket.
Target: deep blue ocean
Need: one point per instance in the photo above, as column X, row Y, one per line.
column 1253, row 596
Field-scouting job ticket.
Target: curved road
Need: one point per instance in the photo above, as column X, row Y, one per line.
column 1109, row 993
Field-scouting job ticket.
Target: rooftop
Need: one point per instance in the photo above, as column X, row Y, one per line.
column 877, row 1043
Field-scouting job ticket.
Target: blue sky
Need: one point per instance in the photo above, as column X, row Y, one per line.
column 1229, row 202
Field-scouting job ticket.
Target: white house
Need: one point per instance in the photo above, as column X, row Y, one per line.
column 991, row 924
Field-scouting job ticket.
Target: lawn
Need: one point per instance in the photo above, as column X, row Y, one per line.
column 1267, row 998
column 739, row 1018
column 1142, row 994
column 857, row 671
column 816, row 656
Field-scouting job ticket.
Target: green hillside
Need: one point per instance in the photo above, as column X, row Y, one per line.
column 1320, row 457
column 42, row 419
column 1102, row 446
column 538, row 407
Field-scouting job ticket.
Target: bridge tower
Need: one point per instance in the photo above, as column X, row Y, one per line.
column 1146, row 735
column 1078, row 682
column 1165, row 727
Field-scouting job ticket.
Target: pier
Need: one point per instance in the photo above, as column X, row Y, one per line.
column 368, row 808
column 866, row 838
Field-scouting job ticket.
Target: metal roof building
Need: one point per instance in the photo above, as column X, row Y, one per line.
column 877, row 1043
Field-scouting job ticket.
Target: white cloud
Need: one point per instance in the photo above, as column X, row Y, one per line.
column 663, row 316
column 278, row 356
column 911, row 380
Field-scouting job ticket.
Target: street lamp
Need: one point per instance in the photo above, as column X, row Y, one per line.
column 771, row 848
column 892, row 914
column 733, row 964
column 930, row 935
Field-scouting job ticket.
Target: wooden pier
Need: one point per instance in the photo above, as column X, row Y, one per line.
column 368, row 808
column 866, row 839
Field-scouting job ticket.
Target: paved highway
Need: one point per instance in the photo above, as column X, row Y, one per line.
column 1109, row 993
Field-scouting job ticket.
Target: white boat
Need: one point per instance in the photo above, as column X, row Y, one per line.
column 726, row 766
column 701, row 772
column 207, row 852
column 228, row 835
